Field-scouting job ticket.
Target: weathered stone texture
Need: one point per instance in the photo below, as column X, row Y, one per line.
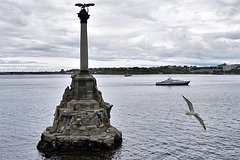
column 81, row 121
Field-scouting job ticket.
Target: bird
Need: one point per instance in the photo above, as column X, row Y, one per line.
column 84, row 5
column 192, row 112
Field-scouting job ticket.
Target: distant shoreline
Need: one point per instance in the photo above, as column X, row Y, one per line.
column 12, row 74
column 31, row 73
column 219, row 70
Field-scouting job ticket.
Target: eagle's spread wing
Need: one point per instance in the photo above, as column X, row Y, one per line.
column 84, row 5
column 89, row 4
column 79, row 4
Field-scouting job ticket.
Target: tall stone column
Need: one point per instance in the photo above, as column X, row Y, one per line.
column 82, row 120
column 83, row 16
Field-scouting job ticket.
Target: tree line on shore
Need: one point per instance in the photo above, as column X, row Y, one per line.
column 142, row 70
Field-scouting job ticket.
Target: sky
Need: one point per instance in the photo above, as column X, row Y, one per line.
column 43, row 35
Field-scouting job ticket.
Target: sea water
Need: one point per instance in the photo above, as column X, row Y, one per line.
column 151, row 118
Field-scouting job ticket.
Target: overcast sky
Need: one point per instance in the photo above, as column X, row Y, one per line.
column 39, row 35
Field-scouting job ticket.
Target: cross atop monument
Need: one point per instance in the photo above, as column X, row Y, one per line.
column 83, row 16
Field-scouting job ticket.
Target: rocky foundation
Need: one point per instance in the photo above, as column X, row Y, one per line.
column 81, row 121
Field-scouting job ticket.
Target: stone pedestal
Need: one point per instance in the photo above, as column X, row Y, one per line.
column 81, row 121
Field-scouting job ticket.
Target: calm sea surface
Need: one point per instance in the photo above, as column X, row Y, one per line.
column 152, row 118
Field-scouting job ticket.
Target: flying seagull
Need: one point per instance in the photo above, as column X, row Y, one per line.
column 192, row 112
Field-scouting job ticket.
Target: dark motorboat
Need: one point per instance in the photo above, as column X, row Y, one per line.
column 173, row 82
column 127, row 75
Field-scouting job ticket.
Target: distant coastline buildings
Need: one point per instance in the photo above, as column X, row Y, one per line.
column 230, row 67
column 170, row 69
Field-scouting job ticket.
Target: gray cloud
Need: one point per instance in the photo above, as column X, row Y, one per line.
column 161, row 32
column 16, row 62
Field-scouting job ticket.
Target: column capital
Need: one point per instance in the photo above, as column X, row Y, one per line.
column 83, row 15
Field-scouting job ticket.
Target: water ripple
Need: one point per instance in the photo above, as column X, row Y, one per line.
column 152, row 118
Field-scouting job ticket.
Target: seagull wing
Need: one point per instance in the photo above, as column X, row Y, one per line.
column 189, row 104
column 201, row 121
column 89, row 4
column 79, row 4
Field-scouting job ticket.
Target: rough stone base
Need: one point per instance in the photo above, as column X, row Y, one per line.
column 81, row 121
column 67, row 144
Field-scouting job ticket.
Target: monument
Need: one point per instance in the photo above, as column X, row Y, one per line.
column 82, row 120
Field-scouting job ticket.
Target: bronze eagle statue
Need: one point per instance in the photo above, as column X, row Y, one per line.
column 84, row 5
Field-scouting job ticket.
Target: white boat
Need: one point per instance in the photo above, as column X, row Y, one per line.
column 174, row 82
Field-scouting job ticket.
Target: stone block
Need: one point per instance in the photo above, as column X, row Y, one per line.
column 49, row 137
column 91, row 127
column 109, row 141
column 82, row 128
